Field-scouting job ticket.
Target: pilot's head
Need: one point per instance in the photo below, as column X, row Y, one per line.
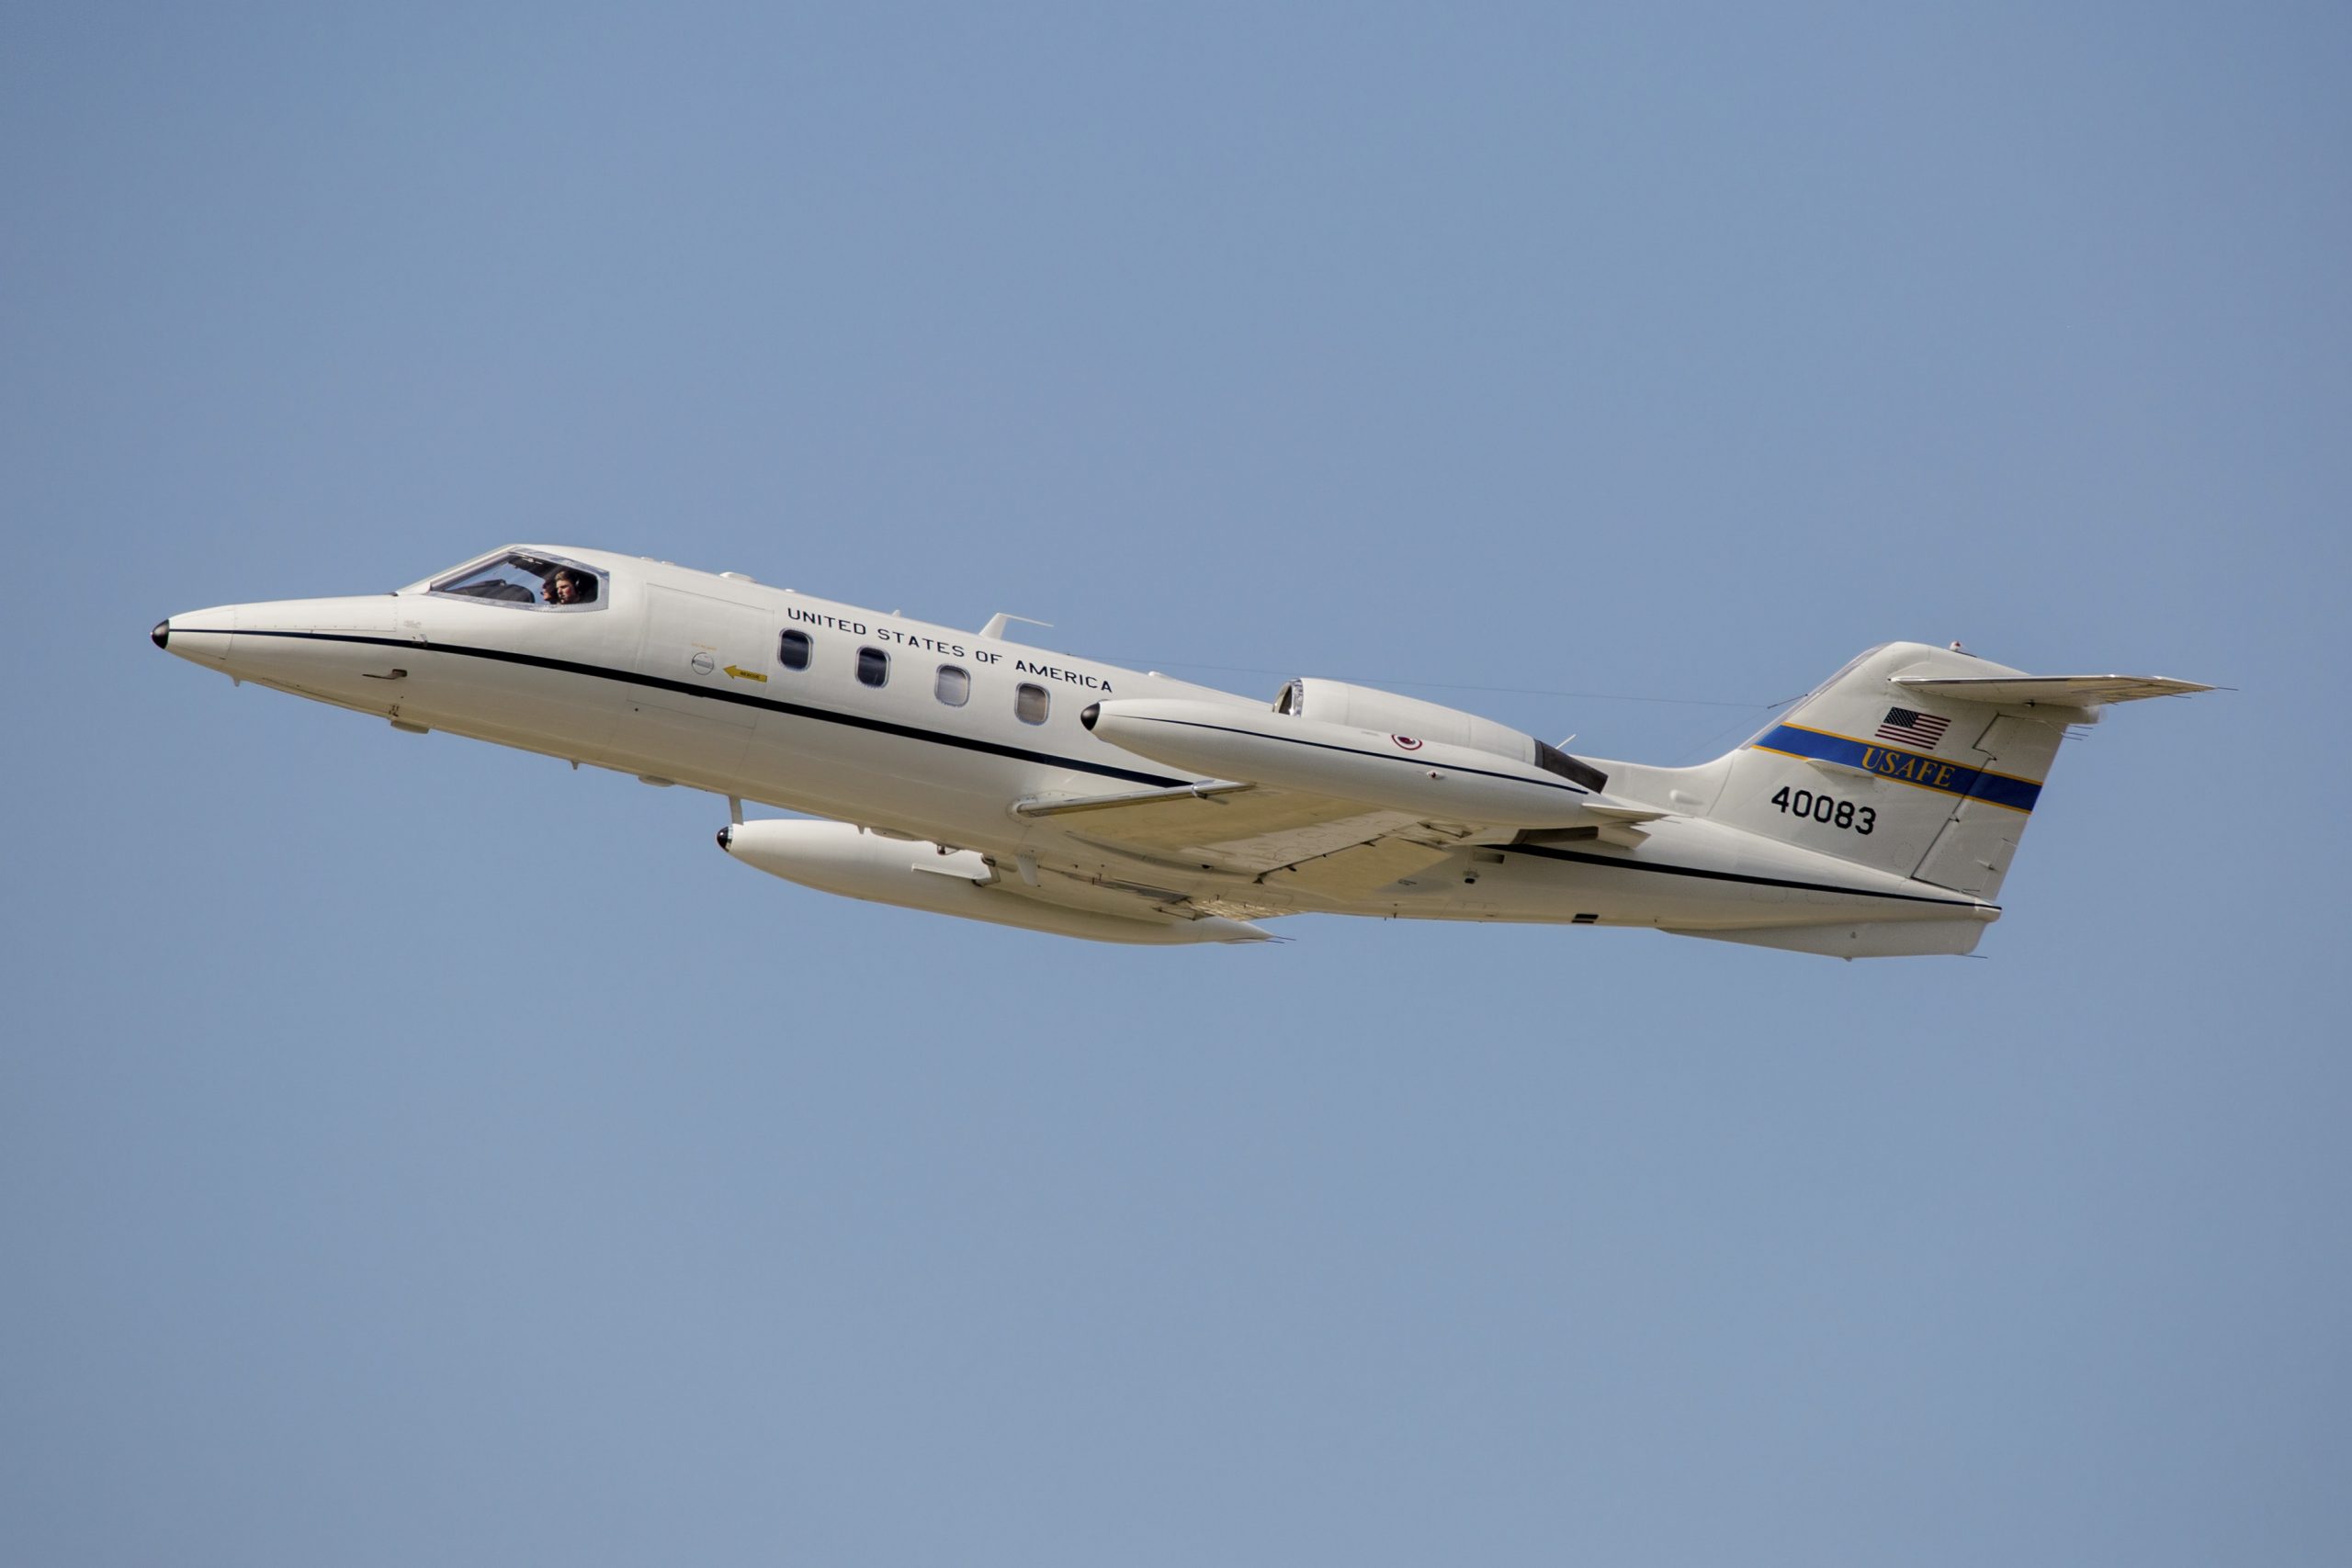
column 563, row 587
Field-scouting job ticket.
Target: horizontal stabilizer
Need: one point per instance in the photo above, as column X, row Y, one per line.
column 2063, row 691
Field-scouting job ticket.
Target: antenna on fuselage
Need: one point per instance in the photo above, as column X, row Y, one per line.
column 995, row 628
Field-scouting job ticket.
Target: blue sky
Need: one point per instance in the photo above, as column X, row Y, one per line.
column 413, row 1150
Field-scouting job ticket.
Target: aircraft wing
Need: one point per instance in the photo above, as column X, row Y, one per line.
column 1322, row 808
column 1284, row 838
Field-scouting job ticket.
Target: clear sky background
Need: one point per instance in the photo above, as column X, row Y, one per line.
column 412, row 1151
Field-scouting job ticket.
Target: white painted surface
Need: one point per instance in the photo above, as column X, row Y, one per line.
column 1820, row 829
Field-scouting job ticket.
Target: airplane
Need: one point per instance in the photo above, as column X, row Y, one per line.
column 970, row 775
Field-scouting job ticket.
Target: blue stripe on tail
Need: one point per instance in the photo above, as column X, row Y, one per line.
column 1915, row 768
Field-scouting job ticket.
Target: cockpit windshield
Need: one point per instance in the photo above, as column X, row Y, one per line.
column 524, row 578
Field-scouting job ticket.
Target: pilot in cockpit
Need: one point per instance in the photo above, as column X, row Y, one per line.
column 567, row 587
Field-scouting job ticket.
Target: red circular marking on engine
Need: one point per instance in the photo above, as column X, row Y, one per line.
column 1407, row 742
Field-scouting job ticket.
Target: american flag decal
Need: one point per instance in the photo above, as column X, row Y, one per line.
column 1913, row 729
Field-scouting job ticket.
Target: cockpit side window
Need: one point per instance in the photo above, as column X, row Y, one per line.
column 521, row 578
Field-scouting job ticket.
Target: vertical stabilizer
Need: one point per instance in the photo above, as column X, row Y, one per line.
column 1922, row 786
column 1914, row 762
column 1918, row 760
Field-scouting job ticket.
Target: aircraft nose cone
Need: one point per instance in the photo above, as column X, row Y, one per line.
column 161, row 635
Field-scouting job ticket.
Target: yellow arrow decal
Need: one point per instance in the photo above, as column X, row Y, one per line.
column 746, row 674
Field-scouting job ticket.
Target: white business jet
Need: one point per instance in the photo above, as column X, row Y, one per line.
column 961, row 773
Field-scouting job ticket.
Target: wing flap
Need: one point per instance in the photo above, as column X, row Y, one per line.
column 1245, row 829
column 1093, row 802
column 1360, row 870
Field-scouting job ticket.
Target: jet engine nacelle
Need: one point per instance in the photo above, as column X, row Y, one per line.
column 1435, row 780
column 1368, row 707
column 841, row 857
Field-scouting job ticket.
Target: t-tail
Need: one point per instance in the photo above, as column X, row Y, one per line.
column 1924, row 763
